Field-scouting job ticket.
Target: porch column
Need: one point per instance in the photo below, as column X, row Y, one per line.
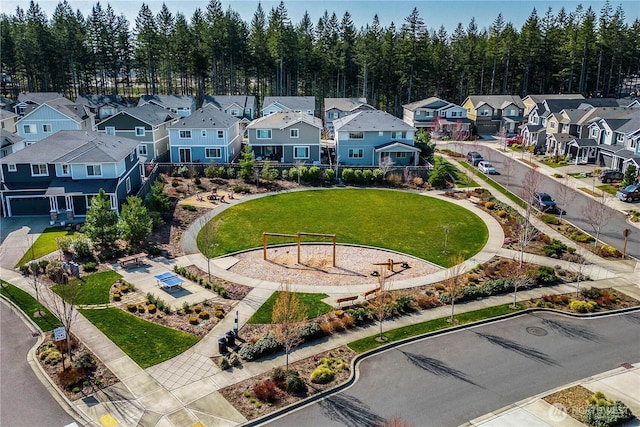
column 114, row 202
column 6, row 205
column 70, row 210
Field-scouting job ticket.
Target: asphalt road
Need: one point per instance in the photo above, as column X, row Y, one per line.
column 24, row 401
column 575, row 205
column 451, row 379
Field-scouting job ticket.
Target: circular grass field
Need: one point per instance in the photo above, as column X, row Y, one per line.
column 395, row 220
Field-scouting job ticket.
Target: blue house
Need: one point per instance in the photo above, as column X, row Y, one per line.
column 51, row 117
column 8, row 141
column 59, row 175
column 296, row 104
column 369, row 138
column 334, row 108
column 244, row 107
column 28, row 101
column 182, row 105
column 207, row 135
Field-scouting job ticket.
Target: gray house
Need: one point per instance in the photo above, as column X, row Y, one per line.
column 334, row 108
column 296, row 104
column 59, row 175
column 147, row 124
column 286, row 137
column 102, row 106
column 27, row 101
column 8, row 141
column 182, row 105
column 8, row 121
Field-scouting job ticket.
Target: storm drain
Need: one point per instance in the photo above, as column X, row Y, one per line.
column 537, row 331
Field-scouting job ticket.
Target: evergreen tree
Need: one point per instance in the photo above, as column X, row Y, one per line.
column 134, row 224
column 101, row 224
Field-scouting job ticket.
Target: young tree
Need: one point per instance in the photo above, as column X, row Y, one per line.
column 597, row 213
column 289, row 315
column 63, row 307
column 453, row 280
column 630, row 175
column 34, row 282
column 208, row 236
column 565, row 194
column 526, row 231
column 508, row 168
column 442, row 173
column 101, row 222
column 157, row 200
column 520, row 278
column 135, row 224
column 247, row 165
column 380, row 304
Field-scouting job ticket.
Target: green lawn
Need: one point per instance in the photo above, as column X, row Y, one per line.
column 396, row 220
column 315, row 307
column 553, row 164
column 94, row 288
column 44, row 244
column 146, row 343
column 608, row 188
column 398, row 334
column 46, row 321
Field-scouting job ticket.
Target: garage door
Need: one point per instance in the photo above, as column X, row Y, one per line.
column 29, row 206
column 605, row 160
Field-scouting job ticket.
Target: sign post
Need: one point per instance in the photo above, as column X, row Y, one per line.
column 59, row 334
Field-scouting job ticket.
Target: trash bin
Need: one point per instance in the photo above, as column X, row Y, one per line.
column 222, row 345
column 231, row 338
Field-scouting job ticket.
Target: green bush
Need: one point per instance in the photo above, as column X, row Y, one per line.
column 65, row 244
column 89, row 266
column 367, row 176
column 378, row 176
column 555, row 249
column 55, row 271
column 293, row 174
column 193, row 320
column 233, row 360
column 582, row 306
column 591, row 293
column 304, row 173
column 189, row 208
column 132, row 307
column 322, row 375
column 358, row 177
column 314, row 174
column 549, row 219
column 607, row 416
column 545, row 276
column 151, row 308
column 293, row 383
column 329, row 175
column 224, row 363
column 241, row 189
column 82, row 247
column 86, row 361
column 348, row 176
column 264, row 346
column 231, row 172
column 581, row 237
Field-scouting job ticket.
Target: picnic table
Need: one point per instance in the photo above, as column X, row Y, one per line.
column 131, row 260
column 169, row 280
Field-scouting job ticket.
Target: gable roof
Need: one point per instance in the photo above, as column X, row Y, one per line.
column 97, row 101
column 10, row 138
column 291, row 102
column 167, row 101
column 374, row 120
column 284, row 119
column 76, row 112
column 344, row 104
column 497, row 102
column 223, row 102
column 432, row 102
column 5, row 114
column 75, row 146
column 151, row 114
column 39, row 97
column 207, row 117
column 538, row 99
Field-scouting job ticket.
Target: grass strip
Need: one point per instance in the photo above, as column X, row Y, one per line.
column 94, row 288
column 145, row 342
column 369, row 343
column 44, row 244
column 315, row 307
column 28, row 304
column 494, row 184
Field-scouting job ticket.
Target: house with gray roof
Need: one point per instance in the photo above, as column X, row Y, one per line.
column 492, row 113
column 51, row 117
column 369, row 138
column 334, row 108
column 617, row 140
column 147, row 124
column 296, row 104
column 8, row 121
column 28, row 101
column 59, row 175
column 207, row 135
column 182, row 105
column 8, row 141
column 244, row 107
column 286, row 137
column 103, row 106
column 435, row 114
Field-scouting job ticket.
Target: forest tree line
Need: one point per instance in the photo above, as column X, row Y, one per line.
column 216, row 52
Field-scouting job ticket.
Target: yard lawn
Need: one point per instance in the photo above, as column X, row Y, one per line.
column 28, row 304
column 94, row 288
column 44, row 244
column 608, row 188
column 146, row 343
column 395, row 220
column 315, row 307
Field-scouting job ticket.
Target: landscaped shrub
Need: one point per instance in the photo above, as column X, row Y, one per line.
column 117, row 296
column 502, row 213
column 418, row 181
column 326, row 327
column 329, row 175
column 203, row 315
column 426, row 301
column 545, row 276
column 293, row 383
column 555, row 249
column 378, row 176
column 582, row 306
column 265, row 390
column 322, row 375
column 224, row 363
column 132, row 307
column 89, row 266
column 395, row 179
column 65, row 243
column 357, row 176
column 337, row 325
column 549, row 219
column 264, row 346
column 348, row 321
column 85, row 361
column 581, row 237
column 231, row 172
column 591, row 293
column 197, row 308
column 55, row 271
column 310, row 331
column 610, row 251
column 615, row 414
column 233, row 360
column 367, row 176
column 489, row 205
column 303, row 171
column 70, row 377
column 348, row 175
column 193, row 320
column 314, row 174
column 189, row 208
column 151, row 308
column 241, row 189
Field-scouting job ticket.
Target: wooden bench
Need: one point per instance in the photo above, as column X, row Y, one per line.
column 475, row 200
column 132, row 260
column 346, row 299
column 367, row 293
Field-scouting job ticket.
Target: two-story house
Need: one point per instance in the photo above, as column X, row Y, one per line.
column 28, row 101
column 286, row 137
column 492, row 113
column 244, row 107
column 207, row 135
column 148, row 124
column 7, row 142
column 8, row 121
column 51, row 117
column 182, row 105
column 617, row 139
column 433, row 113
column 369, row 138
column 60, row 175
column 296, row 104
column 102, row 106
column 334, row 108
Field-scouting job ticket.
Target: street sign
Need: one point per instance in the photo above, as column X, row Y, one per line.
column 59, row 334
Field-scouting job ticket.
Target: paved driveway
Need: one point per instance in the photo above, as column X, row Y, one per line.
column 16, row 236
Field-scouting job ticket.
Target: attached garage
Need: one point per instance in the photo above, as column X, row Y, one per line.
column 35, row 205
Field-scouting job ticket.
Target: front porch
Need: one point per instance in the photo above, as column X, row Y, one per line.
column 397, row 153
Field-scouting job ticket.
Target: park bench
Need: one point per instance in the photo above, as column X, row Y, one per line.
column 347, row 299
column 132, row 260
column 367, row 293
column 475, row 200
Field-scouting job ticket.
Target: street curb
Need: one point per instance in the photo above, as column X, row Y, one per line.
column 39, row 371
column 355, row 372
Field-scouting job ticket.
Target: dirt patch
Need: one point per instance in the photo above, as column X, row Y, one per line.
column 573, row 401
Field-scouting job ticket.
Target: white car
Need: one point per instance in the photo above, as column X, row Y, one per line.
column 486, row 167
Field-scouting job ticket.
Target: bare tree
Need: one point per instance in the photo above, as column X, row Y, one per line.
column 453, row 280
column 526, row 231
column 385, row 166
column 380, row 303
column 34, row 282
column 579, row 268
column 289, row 315
column 445, row 228
column 459, row 131
column 565, row 194
column 502, row 134
column 507, row 169
column 520, row 278
column 63, row 307
column 596, row 213
column 209, row 240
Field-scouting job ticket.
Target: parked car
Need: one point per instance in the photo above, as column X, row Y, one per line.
column 513, row 140
column 609, row 175
column 474, row 158
column 486, row 167
column 629, row 193
column 544, row 203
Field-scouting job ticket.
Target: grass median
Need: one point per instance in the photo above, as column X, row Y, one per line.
column 369, row 343
column 44, row 244
column 28, row 304
column 315, row 307
column 94, row 288
column 494, row 184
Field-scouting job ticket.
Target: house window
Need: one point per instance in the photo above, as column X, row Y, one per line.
column 300, row 152
column 65, row 169
column 203, row 133
column 620, row 138
column 234, row 113
column 46, row 128
column 398, row 135
column 594, row 133
column 11, row 167
column 484, row 112
column 39, row 169
column 335, row 115
column 428, row 114
column 220, row 134
column 418, row 113
column 29, row 129
column 552, row 125
column 142, row 150
column 185, row 134
column 632, row 145
column 213, row 153
column 127, row 183
column 356, row 153
column 401, row 155
column 511, row 112
column 140, row 131
column 356, row 135
column 110, row 130
column 94, row 170
column 294, row 133
column 380, row 133
column 263, row 134
column 132, row 156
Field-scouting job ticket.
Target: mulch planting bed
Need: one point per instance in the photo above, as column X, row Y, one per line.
column 235, row 291
column 603, row 300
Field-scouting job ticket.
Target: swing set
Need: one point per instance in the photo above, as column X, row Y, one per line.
column 297, row 236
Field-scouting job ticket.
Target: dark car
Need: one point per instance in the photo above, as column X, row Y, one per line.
column 609, row 175
column 474, row 158
column 629, row 193
column 544, row 203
